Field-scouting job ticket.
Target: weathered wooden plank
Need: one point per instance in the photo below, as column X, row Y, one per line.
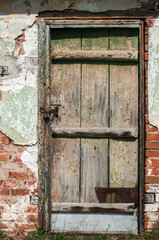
column 124, row 111
column 65, row 93
column 65, row 96
column 94, row 105
column 93, row 207
column 95, row 55
column 65, row 170
column 95, row 132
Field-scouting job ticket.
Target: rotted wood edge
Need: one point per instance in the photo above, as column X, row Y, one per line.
column 93, row 207
column 107, row 55
column 95, row 132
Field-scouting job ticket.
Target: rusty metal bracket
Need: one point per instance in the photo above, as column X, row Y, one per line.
column 50, row 115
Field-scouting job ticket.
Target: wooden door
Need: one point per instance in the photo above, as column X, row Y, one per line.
column 94, row 129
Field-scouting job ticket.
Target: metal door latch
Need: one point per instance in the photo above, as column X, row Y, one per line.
column 50, row 115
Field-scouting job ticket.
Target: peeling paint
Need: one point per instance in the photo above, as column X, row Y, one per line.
column 29, row 158
column 19, row 115
column 153, row 75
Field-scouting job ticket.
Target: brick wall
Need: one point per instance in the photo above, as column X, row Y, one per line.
column 17, row 184
column 151, row 215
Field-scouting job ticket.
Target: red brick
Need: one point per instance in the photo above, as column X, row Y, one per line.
column 20, row 149
column 33, row 218
column 4, row 191
column 152, row 136
column 19, row 191
column 146, row 38
column 146, row 55
column 26, row 226
column 146, row 119
column 22, row 175
column 32, row 209
column 4, row 157
column 146, row 101
column 1, row 149
column 152, row 153
column 9, row 183
column 150, row 162
column 31, row 183
column 146, row 92
column 152, row 171
column 2, row 208
column 146, row 73
column 151, row 188
column 4, row 140
column 152, row 179
column 146, row 47
column 149, row 22
column 17, row 159
column 152, row 145
column 150, row 128
column 146, row 30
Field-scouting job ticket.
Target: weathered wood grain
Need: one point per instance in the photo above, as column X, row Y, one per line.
column 65, row 95
column 108, row 55
column 95, row 132
column 94, row 108
column 65, row 170
column 124, row 111
column 93, row 207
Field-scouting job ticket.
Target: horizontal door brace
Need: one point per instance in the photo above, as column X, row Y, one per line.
column 93, row 207
column 106, row 55
column 95, row 132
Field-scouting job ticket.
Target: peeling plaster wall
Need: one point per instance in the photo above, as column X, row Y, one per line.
column 153, row 75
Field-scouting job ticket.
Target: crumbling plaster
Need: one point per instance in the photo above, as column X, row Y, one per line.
column 153, row 75
column 18, row 105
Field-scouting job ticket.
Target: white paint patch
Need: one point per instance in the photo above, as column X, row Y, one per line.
column 153, row 189
column 149, row 171
column 29, row 158
column 151, row 207
column 149, row 162
column 153, row 75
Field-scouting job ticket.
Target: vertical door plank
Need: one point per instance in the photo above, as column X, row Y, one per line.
column 65, row 170
column 94, row 106
column 65, row 92
column 124, row 111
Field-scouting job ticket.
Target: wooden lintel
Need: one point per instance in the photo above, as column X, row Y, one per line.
column 93, row 207
column 95, row 132
column 107, row 55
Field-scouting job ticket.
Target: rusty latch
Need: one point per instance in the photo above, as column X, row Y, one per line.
column 3, row 70
column 50, row 114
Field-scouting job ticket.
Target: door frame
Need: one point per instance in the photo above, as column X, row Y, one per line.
column 45, row 25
